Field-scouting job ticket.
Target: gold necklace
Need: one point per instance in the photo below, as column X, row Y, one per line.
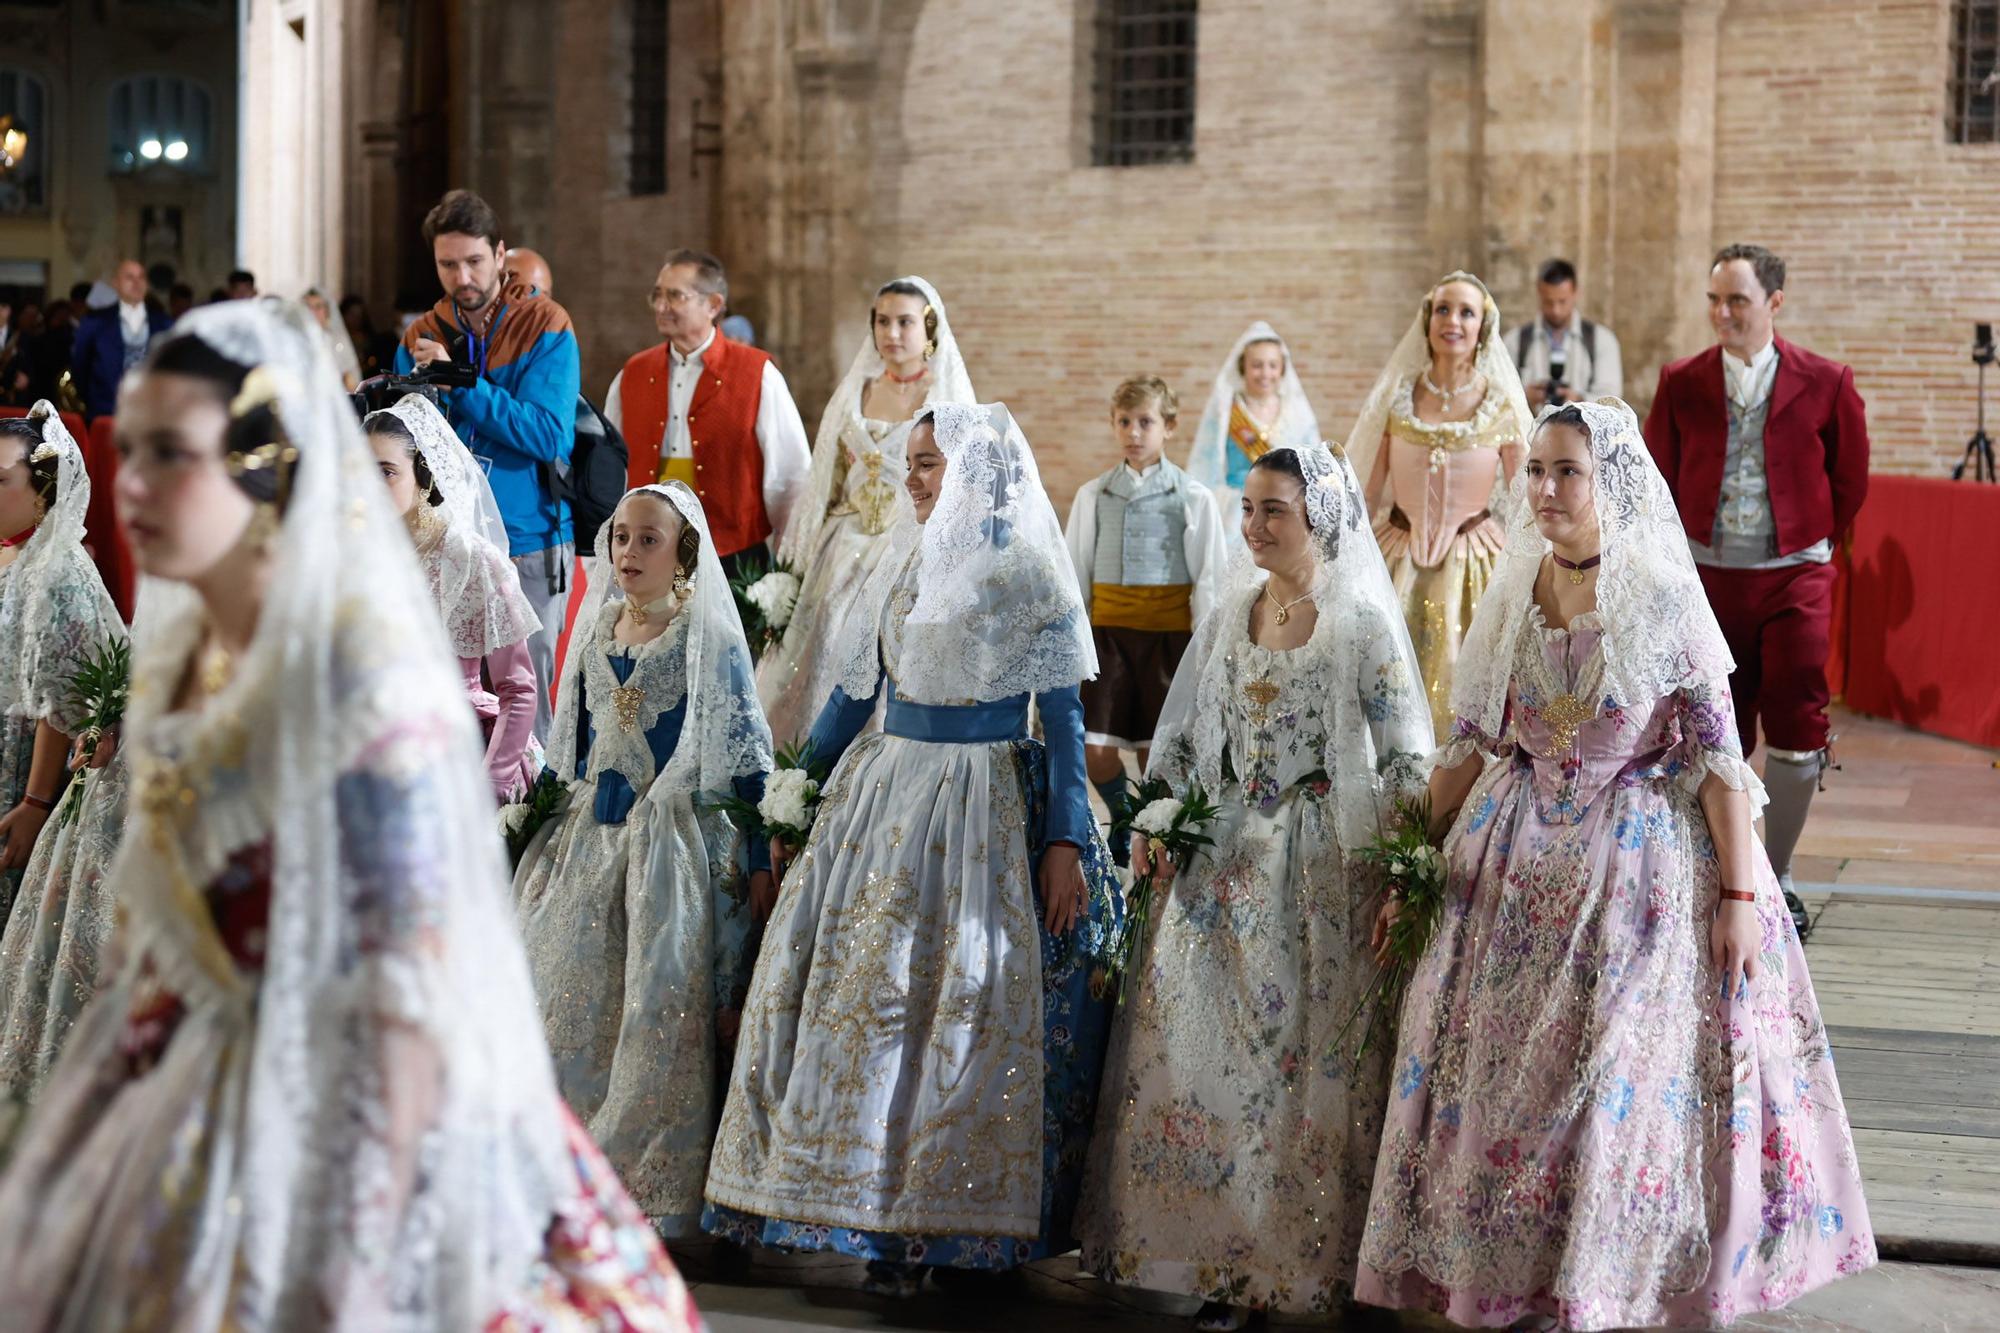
column 1284, row 609
column 214, row 668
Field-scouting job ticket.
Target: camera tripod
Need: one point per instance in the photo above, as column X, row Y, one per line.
column 1979, row 449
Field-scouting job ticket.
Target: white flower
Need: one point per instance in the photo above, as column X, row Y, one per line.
column 1158, row 817
column 788, row 796
column 1399, row 868
column 1433, row 863
column 512, row 817
column 774, row 596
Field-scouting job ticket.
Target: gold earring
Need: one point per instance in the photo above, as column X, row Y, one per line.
column 930, row 348
column 263, row 528
column 683, row 583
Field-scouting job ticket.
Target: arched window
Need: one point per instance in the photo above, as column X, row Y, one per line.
column 160, row 119
column 24, row 142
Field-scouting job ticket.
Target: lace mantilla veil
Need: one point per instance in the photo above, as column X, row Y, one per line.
column 479, row 596
column 724, row 735
column 1659, row 633
column 345, row 1204
column 1351, row 589
column 950, row 383
column 35, row 666
column 1412, row 358
column 1207, row 459
column 998, row 610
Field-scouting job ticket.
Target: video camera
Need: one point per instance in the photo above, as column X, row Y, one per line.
column 427, row 382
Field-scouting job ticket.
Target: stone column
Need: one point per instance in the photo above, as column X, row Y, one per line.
column 1454, row 126
column 1662, row 183
column 1540, row 68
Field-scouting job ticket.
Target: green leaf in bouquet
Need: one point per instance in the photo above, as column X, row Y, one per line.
column 98, row 693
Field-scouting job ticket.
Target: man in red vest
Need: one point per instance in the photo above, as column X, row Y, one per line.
column 1765, row 447
column 713, row 413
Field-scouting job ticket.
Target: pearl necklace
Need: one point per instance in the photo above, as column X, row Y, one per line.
column 1444, row 396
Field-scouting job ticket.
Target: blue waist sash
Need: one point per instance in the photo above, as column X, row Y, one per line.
column 957, row 724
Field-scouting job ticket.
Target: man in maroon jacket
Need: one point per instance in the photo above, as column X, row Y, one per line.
column 1765, row 447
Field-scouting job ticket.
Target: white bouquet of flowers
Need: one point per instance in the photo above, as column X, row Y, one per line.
column 790, row 800
column 775, row 595
column 766, row 596
column 1175, row 829
column 789, row 797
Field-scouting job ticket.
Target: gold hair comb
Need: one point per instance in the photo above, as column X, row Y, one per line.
column 260, row 389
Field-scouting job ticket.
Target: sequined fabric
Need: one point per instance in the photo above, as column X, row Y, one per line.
column 1236, row 1138
column 795, row 677
column 635, row 916
column 1579, row 1123
column 56, row 937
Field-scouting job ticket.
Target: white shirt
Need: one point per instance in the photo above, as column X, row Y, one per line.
column 1207, row 557
column 781, row 435
column 132, row 319
column 1588, row 374
column 1748, row 383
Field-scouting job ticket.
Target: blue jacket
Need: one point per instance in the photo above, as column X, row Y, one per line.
column 97, row 362
column 520, row 419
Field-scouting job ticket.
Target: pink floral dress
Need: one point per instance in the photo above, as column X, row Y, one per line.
column 1580, row 1123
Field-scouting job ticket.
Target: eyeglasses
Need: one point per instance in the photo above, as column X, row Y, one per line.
column 675, row 296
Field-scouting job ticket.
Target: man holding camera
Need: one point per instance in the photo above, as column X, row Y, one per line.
column 1765, row 447
column 518, row 415
column 1562, row 356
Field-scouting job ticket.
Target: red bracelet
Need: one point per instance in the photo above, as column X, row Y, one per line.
column 28, row 798
column 1735, row 896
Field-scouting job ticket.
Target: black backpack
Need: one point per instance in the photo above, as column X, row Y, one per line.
column 594, row 481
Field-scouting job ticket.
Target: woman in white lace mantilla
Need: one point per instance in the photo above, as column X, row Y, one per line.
column 919, row 1058
column 315, row 1095
column 1438, row 437
column 442, row 494
column 1236, row 1136
column 635, row 904
column 1256, row 404
column 840, row 528
column 54, row 614
column 1613, row 1100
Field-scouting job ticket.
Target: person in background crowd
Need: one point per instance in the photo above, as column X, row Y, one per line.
column 519, row 418
column 112, row 341
column 705, row 410
column 240, row 285
column 1561, row 355
column 180, row 300
column 527, row 268
column 1765, row 448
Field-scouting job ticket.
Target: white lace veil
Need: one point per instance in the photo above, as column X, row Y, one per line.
column 1659, row 633
column 346, row 700
column 1208, row 458
column 949, row 384
column 1361, row 625
column 37, row 661
column 479, row 596
column 724, row 735
column 1412, row 358
column 998, row 611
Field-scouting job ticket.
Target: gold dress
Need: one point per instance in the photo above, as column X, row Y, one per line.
column 1436, row 525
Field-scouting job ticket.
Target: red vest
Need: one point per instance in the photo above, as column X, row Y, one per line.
column 722, row 423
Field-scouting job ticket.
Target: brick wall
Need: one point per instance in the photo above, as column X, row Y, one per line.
column 1830, row 149
column 1304, row 206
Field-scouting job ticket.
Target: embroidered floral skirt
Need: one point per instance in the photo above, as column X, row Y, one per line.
column 1236, row 1138
column 630, row 931
column 919, row 1061
column 1580, row 1123
column 55, row 938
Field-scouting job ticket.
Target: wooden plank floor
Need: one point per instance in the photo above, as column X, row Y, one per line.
column 1901, row 866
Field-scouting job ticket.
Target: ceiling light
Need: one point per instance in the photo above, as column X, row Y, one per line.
column 150, row 150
